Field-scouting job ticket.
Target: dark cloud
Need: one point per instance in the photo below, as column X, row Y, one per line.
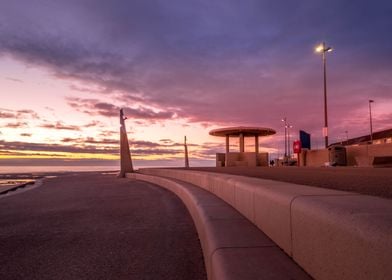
column 13, row 79
column 159, row 152
column 90, row 140
column 248, row 62
column 109, row 133
column 27, row 113
column 60, row 126
column 25, row 134
column 166, row 141
column 26, row 146
column 97, row 107
column 208, row 150
column 138, row 147
column 16, row 125
column 18, row 114
column 144, row 144
column 7, row 115
column 94, row 124
column 82, row 146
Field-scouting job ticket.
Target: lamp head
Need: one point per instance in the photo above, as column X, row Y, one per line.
column 322, row 48
column 319, row 48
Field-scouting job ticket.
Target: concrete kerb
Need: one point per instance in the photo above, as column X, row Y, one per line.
column 15, row 187
column 221, row 228
column 326, row 231
column 28, row 186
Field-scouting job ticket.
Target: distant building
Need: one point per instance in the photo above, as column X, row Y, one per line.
column 379, row 137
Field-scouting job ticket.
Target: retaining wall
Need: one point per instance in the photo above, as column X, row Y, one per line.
column 331, row 234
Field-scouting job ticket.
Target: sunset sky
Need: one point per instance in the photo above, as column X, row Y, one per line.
column 184, row 68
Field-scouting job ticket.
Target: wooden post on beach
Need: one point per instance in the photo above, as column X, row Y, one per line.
column 186, row 154
column 125, row 154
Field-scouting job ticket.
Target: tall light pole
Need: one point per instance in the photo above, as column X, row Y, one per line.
column 323, row 49
column 285, row 136
column 288, row 139
column 371, row 121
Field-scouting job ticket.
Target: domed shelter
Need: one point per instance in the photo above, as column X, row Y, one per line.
column 242, row 158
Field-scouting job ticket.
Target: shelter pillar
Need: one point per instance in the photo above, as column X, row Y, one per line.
column 242, row 143
column 257, row 144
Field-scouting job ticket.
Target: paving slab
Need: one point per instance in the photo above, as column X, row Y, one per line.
column 255, row 263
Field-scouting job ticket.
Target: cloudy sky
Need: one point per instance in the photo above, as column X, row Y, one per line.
column 184, row 67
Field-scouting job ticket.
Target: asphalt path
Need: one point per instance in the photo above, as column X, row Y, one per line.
column 95, row 226
column 369, row 181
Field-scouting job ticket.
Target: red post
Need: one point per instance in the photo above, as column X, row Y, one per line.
column 297, row 149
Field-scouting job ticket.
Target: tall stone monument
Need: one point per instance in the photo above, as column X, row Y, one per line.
column 125, row 154
column 186, row 154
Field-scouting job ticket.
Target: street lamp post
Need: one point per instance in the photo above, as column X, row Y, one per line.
column 371, row 121
column 288, row 139
column 323, row 49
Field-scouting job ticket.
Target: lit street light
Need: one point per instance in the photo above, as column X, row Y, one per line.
column 371, row 121
column 323, row 49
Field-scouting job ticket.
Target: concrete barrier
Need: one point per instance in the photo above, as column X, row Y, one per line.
column 357, row 155
column 233, row 248
column 331, row 234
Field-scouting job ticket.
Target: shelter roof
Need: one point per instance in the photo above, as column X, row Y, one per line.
column 246, row 131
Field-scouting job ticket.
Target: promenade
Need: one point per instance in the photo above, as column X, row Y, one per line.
column 196, row 223
column 95, row 226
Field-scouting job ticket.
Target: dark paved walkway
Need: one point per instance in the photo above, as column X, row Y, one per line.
column 97, row 227
column 371, row 181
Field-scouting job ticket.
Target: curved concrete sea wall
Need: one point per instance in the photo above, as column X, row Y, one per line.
column 331, row 234
column 233, row 247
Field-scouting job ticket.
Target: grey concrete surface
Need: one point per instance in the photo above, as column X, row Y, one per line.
column 369, row 181
column 97, row 227
column 331, row 234
column 233, row 248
